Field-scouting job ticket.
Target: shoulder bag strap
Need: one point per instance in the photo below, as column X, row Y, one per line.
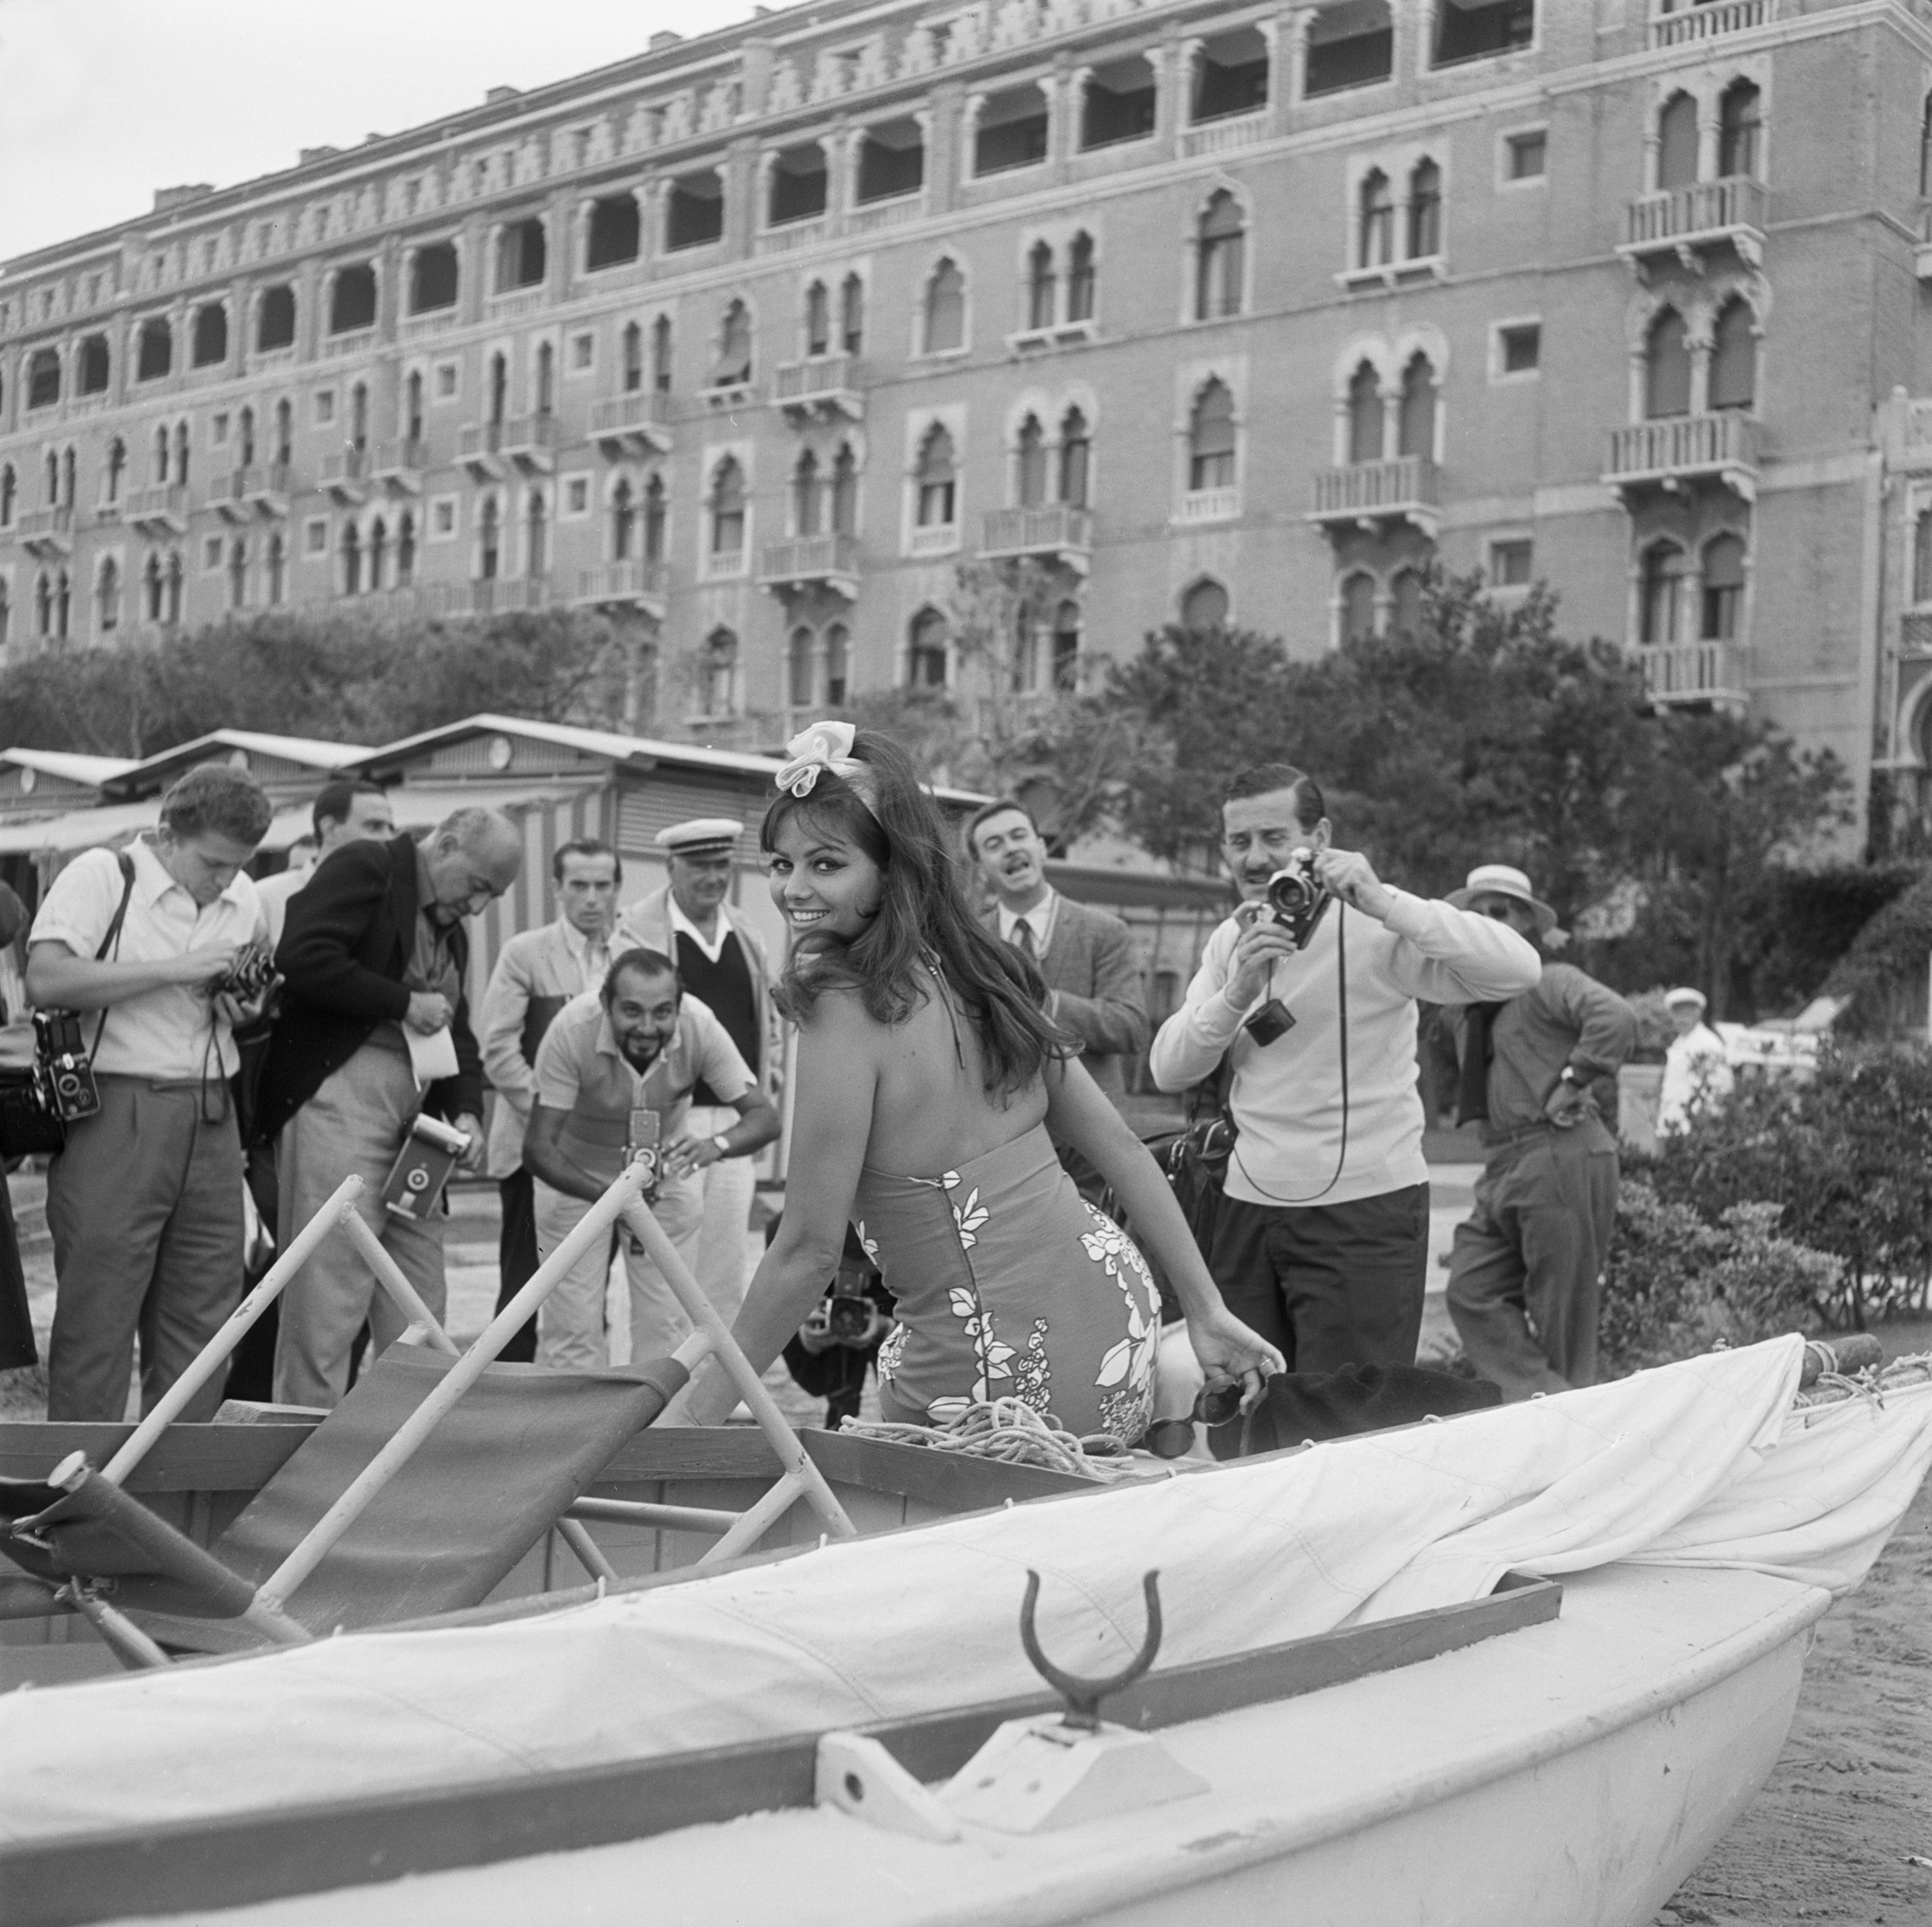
column 112, row 940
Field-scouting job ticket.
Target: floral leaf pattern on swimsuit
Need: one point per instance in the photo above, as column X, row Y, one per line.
column 892, row 1351
column 1127, row 1365
column 994, row 1359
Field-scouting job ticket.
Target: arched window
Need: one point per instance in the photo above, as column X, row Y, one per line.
column 1666, row 368
column 181, row 452
column 117, row 467
column 804, row 498
column 237, row 572
column 728, row 508
column 718, row 674
column 412, row 406
column 1660, row 618
column 1405, row 610
column 170, row 610
column 161, row 447
column 838, row 665
column 94, row 370
column 1220, row 244
column 406, row 549
column 851, row 315
column 1375, row 221
column 818, row 320
column 154, row 579
column 51, row 472
column 661, row 355
column 358, row 417
column 1677, row 142
column 1364, row 414
column 1415, row 422
column 926, row 651
column 1737, row 129
column 734, row 347
column 378, row 553
column 1040, row 285
column 624, row 517
column 536, row 524
column 545, row 379
column 107, row 596
column 43, row 606
column 844, row 491
column 284, row 434
column 798, row 668
column 275, row 319
column 277, row 566
column 209, row 343
column 67, row 478
column 655, row 511
column 1076, row 449
column 44, row 378
column 9, row 489
column 489, row 540
column 1723, row 585
column 1205, row 605
column 945, row 309
column 936, row 479
column 245, row 435
column 1425, row 211
column 1080, row 278
column 1211, row 439
column 1066, row 646
column 63, row 605
column 153, row 349
column 1030, row 463
column 499, row 387
column 633, row 358
column 1358, row 607
column 352, row 560
column 1922, row 557
column 1733, row 375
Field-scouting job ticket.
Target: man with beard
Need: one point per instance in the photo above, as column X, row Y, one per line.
column 617, row 1065
column 1086, row 955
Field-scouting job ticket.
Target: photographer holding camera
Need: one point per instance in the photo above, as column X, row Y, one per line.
column 1321, row 1241
column 145, row 1202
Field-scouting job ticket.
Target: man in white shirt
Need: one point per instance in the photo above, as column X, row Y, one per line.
column 1697, row 1066
column 145, row 1202
column 1321, row 1241
column 721, row 962
column 537, row 973
column 342, row 813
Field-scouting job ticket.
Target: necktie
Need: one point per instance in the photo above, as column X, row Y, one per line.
column 1472, row 1089
column 1023, row 937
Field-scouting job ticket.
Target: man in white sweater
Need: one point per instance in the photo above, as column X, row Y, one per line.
column 1321, row 1242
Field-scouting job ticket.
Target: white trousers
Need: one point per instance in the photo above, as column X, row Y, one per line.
column 723, row 1265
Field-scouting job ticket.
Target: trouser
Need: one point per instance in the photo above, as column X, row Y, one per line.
column 251, row 1365
column 516, row 1257
column 1525, row 1273
column 1331, row 1285
column 570, row 1332
column 355, row 1123
column 145, row 1207
column 723, row 1264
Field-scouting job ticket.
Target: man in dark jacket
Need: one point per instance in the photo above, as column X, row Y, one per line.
column 374, row 955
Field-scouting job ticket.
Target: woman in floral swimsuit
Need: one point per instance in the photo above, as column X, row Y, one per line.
column 927, row 1073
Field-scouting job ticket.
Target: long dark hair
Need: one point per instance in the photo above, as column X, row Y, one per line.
column 923, row 913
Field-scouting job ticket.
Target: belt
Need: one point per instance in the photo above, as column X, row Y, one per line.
column 160, row 1083
column 1494, row 1136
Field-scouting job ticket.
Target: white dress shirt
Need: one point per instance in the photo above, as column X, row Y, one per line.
column 1038, row 921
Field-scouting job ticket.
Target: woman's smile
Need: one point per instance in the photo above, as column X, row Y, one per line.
column 820, row 881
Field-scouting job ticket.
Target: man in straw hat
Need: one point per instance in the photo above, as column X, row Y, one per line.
column 721, row 963
column 1697, row 1066
column 1523, row 1277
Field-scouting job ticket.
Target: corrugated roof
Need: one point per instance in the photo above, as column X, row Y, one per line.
column 69, row 765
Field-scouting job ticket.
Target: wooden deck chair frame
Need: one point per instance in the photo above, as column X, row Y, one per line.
column 799, row 1478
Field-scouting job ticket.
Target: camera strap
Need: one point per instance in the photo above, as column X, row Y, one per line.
column 112, row 940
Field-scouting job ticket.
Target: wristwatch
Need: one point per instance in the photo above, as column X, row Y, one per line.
column 721, row 1145
column 1568, row 1075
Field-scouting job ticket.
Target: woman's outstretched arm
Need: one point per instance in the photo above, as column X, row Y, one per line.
column 832, row 1124
column 1080, row 1115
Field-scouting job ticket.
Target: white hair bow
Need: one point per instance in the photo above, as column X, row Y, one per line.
column 823, row 746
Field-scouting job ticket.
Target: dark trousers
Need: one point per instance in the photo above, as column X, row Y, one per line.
column 1332, row 1284
column 516, row 1257
column 1525, row 1276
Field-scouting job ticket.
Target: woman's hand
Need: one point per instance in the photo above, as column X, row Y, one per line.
column 1228, row 1350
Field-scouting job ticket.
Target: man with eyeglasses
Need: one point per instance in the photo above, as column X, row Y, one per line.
column 1320, row 1239
column 374, row 954
column 1525, row 1273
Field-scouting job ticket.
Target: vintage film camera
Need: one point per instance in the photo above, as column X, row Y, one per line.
column 63, row 1078
column 251, row 973
column 1297, row 901
column 642, row 1144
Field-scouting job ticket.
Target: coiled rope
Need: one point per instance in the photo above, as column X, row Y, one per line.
column 1011, row 1432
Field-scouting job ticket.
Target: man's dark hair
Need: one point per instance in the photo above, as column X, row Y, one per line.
column 640, row 962
column 334, row 801
column 1265, row 778
column 583, row 846
column 212, row 798
column 987, row 811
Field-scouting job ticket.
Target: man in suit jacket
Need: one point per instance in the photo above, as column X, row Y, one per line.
column 373, row 952
column 1086, row 955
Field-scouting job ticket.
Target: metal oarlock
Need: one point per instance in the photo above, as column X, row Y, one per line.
column 1083, row 1697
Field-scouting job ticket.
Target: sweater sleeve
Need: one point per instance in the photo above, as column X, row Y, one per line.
column 1443, row 955
column 327, row 922
column 1194, row 1040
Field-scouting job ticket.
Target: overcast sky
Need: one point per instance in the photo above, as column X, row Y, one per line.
column 102, row 101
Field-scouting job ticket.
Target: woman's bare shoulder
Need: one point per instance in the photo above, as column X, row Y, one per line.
column 839, row 1015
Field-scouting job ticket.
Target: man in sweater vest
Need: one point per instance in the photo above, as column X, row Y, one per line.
column 1321, row 1242
column 721, row 964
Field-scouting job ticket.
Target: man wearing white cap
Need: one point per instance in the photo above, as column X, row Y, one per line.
column 721, row 963
column 1697, row 1067
column 1524, row 1274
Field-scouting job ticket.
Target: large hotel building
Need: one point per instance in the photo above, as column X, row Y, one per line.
column 1222, row 311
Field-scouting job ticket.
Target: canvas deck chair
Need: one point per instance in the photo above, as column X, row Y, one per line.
column 417, row 1495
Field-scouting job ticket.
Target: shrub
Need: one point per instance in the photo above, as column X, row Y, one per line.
column 1845, row 1156
column 1676, row 1285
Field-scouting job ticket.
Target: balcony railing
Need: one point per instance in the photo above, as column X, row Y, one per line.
column 46, row 531
column 401, row 462
column 345, row 475
column 165, row 505
column 827, row 382
column 1055, row 529
column 1721, row 447
column 530, row 441
column 1407, row 489
column 499, row 595
column 1687, row 23
column 1679, row 219
column 638, row 584
column 1692, row 672
column 1211, row 504
column 641, row 419
column 831, row 560
column 242, row 492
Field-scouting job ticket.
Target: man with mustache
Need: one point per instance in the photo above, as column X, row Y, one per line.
column 1321, row 1241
